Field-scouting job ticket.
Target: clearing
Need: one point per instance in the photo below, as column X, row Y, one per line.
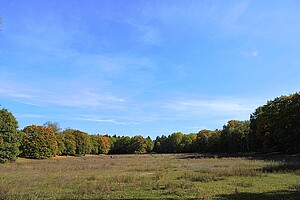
column 157, row 176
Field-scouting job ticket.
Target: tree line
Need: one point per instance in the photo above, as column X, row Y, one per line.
column 274, row 126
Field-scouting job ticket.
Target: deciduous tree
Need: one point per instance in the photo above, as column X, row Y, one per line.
column 76, row 142
column 235, row 136
column 99, row 144
column 38, row 142
column 277, row 124
column 53, row 125
column 9, row 137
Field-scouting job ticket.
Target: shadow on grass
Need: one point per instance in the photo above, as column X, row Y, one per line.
column 287, row 163
column 282, row 167
column 282, row 194
column 249, row 155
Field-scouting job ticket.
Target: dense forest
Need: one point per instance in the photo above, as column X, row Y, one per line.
column 274, row 126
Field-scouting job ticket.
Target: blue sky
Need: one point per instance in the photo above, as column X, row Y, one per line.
column 145, row 67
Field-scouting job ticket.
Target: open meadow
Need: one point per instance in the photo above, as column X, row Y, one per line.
column 158, row 176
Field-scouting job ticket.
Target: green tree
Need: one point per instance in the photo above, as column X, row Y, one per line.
column 112, row 140
column 121, row 145
column 159, row 144
column 94, row 144
column 61, row 147
column 188, row 143
column 9, row 137
column 235, row 136
column 255, row 143
column 276, row 124
column 173, row 142
column 214, row 141
column 69, row 142
column 202, row 140
column 76, row 142
column 149, row 144
column 38, row 142
column 138, row 144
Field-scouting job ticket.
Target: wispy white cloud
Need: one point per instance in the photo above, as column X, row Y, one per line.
column 236, row 12
column 219, row 106
column 124, row 62
column 15, row 89
column 113, row 65
column 168, row 111
column 195, row 12
column 69, row 95
column 150, row 36
column 103, row 120
column 12, row 93
column 146, row 34
column 28, row 115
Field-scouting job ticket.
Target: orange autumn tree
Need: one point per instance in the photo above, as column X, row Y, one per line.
column 38, row 142
column 104, row 144
column 100, row 144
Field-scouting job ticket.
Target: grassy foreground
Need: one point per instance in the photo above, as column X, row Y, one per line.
column 177, row 176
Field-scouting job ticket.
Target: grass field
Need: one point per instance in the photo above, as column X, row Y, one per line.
column 177, row 176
